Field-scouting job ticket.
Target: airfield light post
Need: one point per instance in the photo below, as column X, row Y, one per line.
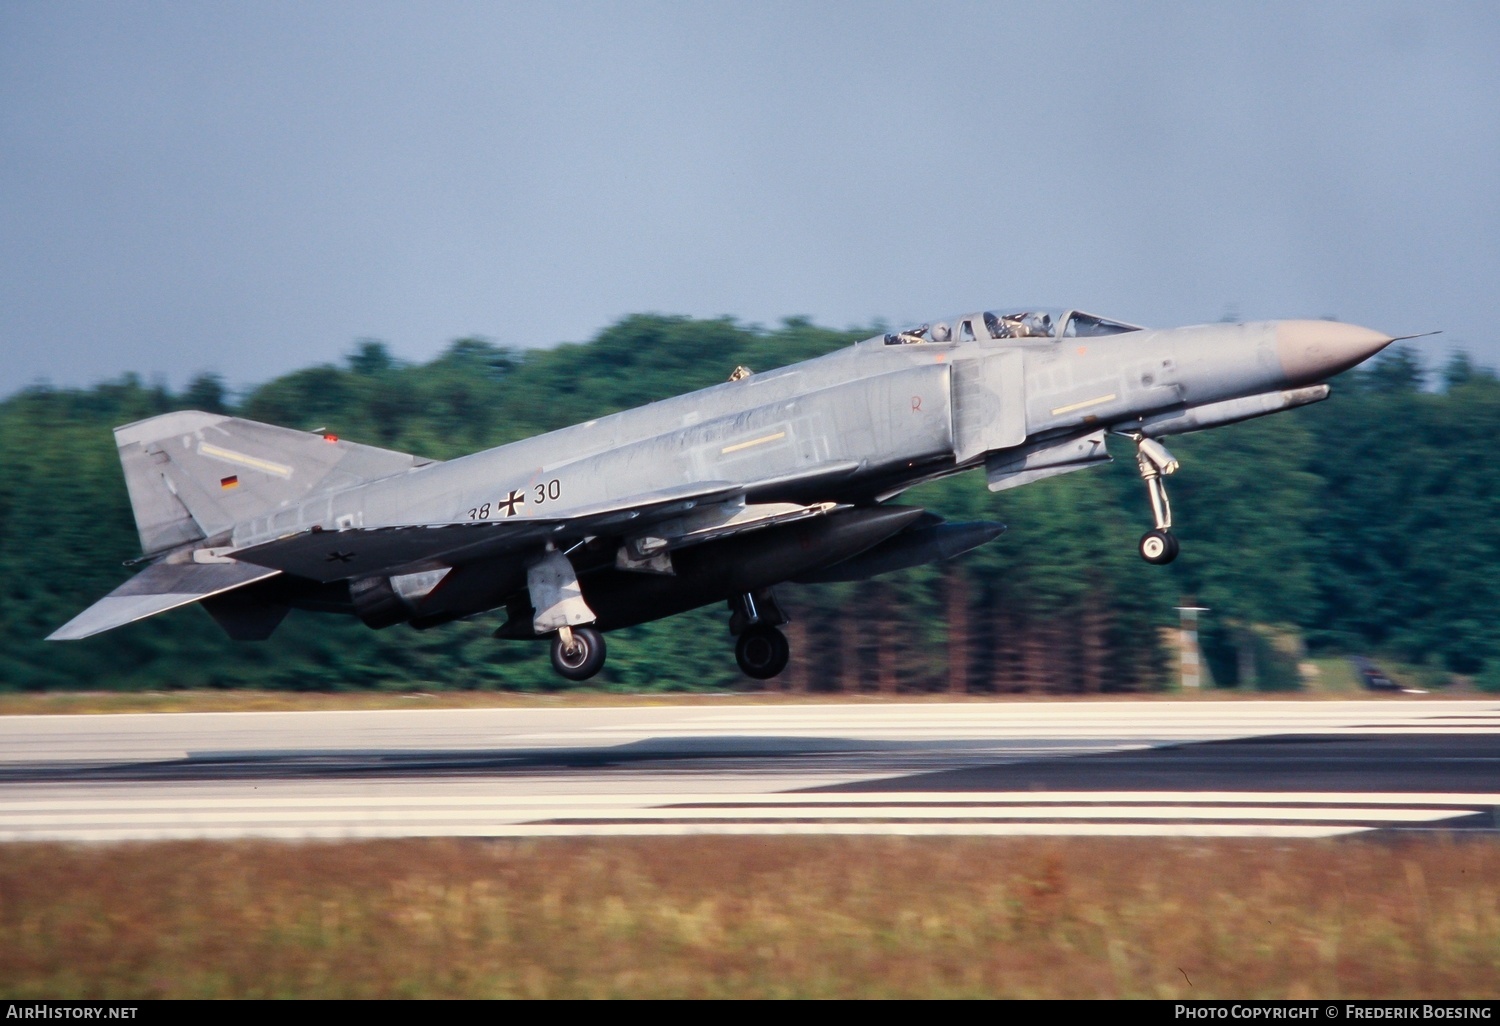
column 1192, row 657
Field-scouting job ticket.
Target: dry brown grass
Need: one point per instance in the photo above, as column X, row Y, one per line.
column 762, row 917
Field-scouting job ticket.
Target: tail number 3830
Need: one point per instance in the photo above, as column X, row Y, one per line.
column 540, row 494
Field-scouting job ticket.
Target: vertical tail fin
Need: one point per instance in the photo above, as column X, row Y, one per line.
column 194, row 475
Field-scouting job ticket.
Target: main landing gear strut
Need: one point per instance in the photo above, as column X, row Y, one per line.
column 1158, row 545
column 762, row 650
column 558, row 609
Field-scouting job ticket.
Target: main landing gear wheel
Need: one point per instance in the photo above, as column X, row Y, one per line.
column 762, row 651
column 1159, row 547
column 581, row 659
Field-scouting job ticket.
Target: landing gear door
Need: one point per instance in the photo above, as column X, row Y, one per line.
column 989, row 403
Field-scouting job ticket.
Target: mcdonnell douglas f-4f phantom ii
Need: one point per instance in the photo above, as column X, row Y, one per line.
column 714, row 496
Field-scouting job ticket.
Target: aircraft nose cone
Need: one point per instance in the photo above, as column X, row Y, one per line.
column 1314, row 350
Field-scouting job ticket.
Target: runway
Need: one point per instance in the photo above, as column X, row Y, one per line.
column 1190, row 768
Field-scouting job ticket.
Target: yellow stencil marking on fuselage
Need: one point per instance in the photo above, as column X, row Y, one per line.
column 1071, row 407
column 230, row 456
column 755, row 441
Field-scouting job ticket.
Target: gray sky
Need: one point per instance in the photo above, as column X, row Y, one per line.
column 249, row 187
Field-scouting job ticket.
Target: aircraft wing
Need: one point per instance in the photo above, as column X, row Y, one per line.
column 337, row 555
column 156, row 589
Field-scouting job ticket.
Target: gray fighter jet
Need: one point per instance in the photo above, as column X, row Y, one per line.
column 713, row 496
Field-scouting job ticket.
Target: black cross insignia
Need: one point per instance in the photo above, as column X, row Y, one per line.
column 339, row 557
column 510, row 503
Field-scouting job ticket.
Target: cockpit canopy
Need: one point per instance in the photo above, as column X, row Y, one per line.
column 1025, row 324
column 1077, row 324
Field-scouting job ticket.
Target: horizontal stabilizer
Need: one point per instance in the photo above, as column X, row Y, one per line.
column 155, row 590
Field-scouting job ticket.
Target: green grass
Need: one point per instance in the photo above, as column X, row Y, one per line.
column 761, row 917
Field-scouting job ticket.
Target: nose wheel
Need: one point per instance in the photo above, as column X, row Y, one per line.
column 1158, row 545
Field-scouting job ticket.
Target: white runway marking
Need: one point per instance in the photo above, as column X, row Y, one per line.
column 375, row 832
column 666, row 771
column 1119, row 813
column 957, row 800
column 146, row 736
column 43, row 820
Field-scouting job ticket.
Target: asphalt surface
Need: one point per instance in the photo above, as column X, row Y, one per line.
column 1199, row 768
column 1349, row 763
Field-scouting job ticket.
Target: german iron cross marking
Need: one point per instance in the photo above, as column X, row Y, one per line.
column 510, row 503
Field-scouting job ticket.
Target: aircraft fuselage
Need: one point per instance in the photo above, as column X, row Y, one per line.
column 717, row 494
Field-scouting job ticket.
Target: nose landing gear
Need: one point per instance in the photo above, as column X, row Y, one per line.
column 1158, row 545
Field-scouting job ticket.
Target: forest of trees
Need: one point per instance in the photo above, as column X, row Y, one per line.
column 1369, row 523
